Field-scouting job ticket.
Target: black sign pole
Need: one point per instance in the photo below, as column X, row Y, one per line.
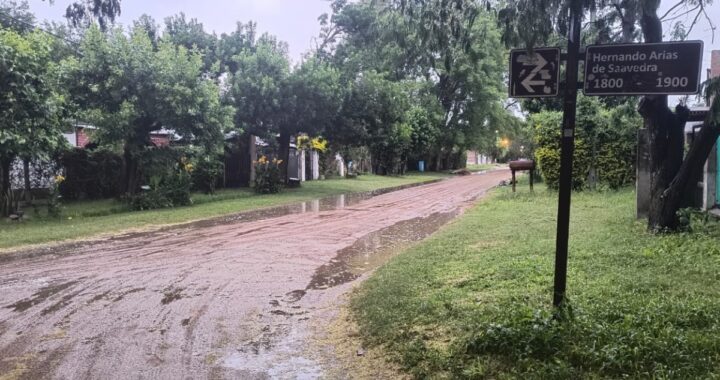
column 566, row 159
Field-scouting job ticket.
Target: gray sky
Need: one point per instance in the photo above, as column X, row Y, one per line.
column 295, row 21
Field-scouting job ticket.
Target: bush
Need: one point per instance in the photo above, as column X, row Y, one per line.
column 91, row 174
column 53, row 203
column 206, row 173
column 547, row 155
column 268, row 178
column 605, row 140
column 172, row 190
column 164, row 190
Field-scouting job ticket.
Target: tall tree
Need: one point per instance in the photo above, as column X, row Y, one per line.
column 31, row 114
column 241, row 41
column 374, row 114
column 311, row 98
column 16, row 15
column 452, row 45
column 672, row 172
column 130, row 90
column 86, row 12
column 191, row 34
column 256, row 86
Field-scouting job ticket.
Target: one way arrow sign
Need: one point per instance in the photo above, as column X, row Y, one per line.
column 534, row 75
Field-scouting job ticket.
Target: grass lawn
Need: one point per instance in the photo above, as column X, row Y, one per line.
column 473, row 301
column 91, row 218
column 482, row 167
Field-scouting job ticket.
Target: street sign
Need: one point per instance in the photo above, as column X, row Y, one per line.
column 534, row 75
column 671, row 68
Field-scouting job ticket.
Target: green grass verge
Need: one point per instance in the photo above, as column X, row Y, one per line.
column 482, row 167
column 91, row 218
column 473, row 301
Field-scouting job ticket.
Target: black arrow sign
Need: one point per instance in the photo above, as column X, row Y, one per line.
column 534, row 75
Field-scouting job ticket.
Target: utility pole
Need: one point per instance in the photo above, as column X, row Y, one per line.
column 568, row 148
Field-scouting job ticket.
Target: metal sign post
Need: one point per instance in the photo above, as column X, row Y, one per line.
column 566, row 155
column 625, row 69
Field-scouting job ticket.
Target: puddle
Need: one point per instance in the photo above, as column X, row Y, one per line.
column 263, row 358
column 375, row 249
column 40, row 296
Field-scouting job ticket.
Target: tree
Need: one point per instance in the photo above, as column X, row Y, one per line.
column 256, row 86
column 130, row 89
column 191, row 34
column 374, row 114
column 86, row 12
column 16, row 16
column 31, row 116
column 150, row 26
column 453, row 46
column 311, row 98
column 241, row 41
column 672, row 171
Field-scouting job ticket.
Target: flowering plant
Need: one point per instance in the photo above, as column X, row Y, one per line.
column 268, row 178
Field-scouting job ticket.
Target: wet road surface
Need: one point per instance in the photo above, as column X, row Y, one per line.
column 234, row 297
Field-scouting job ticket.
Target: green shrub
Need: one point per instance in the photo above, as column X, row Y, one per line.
column 206, row 173
column 91, row 174
column 547, row 135
column 172, row 190
column 268, row 178
column 53, row 203
column 605, row 140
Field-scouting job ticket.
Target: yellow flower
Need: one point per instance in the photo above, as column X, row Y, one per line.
column 319, row 144
column 59, row 179
column 189, row 168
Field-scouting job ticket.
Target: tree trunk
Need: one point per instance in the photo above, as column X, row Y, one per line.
column 284, row 152
column 691, row 168
column 670, row 174
column 5, row 164
column 130, row 169
column 26, row 176
column 6, row 206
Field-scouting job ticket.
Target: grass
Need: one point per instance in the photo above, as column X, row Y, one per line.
column 93, row 218
column 482, row 167
column 473, row 301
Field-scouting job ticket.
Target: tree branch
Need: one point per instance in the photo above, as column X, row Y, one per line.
column 697, row 16
column 681, row 2
column 712, row 26
column 681, row 14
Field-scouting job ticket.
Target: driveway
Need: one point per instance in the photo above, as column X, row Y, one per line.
column 235, row 298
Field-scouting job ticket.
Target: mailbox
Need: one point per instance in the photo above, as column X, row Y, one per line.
column 523, row 165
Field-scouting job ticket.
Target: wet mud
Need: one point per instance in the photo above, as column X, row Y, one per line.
column 233, row 297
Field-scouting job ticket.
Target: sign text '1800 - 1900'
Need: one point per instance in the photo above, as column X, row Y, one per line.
column 637, row 69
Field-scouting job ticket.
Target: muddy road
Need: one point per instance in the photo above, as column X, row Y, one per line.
column 239, row 298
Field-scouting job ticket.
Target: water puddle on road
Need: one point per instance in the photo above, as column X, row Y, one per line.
column 375, row 249
column 336, row 202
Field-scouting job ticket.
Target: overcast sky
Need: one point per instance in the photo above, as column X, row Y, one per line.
column 294, row 21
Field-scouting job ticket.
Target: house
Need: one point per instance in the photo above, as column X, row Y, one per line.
column 475, row 158
column 81, row 136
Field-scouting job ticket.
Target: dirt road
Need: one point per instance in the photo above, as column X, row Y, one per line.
column 209, row 300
